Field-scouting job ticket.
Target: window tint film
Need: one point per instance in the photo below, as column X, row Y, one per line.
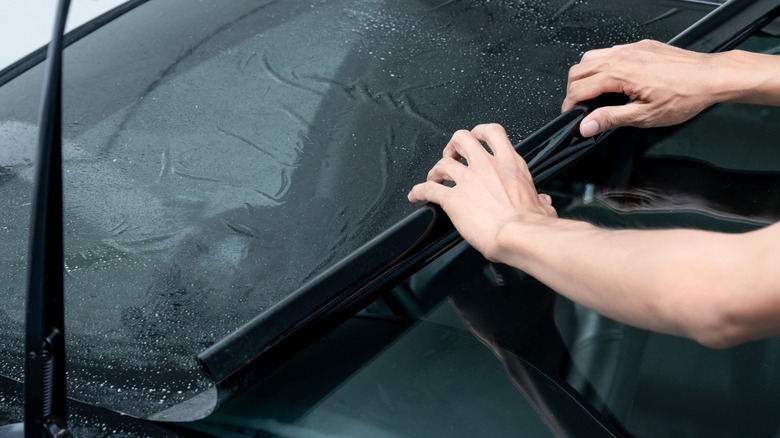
column 219, row 154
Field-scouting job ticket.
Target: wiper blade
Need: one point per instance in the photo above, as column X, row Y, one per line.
column 44, row 374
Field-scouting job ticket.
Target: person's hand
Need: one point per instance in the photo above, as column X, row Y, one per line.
column 666, row 85
column 489, row 191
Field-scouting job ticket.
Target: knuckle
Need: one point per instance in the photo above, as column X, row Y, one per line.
column 434, row 171
column 587, row 55
column 609, row 119
column 416, row 192
column 495, row 128
column 460, row 135
column 622, row 58
column 571, row 90
column 573, row 70
column 521, row 165
column 644, row 120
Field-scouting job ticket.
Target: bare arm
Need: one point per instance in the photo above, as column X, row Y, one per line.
column 720, row 289
column 668, row 85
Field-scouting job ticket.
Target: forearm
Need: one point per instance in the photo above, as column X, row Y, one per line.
column 746, row 77
column 720, row 289
column 641, row 277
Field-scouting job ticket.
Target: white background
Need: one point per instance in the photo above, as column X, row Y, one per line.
column 26, row 25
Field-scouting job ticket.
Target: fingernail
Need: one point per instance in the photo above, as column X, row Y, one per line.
column 589, row 128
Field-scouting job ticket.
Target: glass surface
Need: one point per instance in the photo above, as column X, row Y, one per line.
column 465, row 347
column 219, row 154
column 719, row 172
column 416, row 348
column 456, row 350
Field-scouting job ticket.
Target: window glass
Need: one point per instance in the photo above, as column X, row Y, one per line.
column 720, row 171
column 463, row 348
column 220, row 154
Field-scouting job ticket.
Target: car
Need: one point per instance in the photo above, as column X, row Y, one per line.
column 240, row 259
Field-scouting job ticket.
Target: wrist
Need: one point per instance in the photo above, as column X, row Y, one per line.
column 515, row 240
column 528, row 242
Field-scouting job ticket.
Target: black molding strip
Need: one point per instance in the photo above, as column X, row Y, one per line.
column 727, row 26
column 37, row 56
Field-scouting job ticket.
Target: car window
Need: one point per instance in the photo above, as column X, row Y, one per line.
column 454, row 348
column 218, row 155
column 483, row 343
column 720, row 171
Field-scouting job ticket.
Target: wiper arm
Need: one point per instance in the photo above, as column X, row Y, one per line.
column 44, row 373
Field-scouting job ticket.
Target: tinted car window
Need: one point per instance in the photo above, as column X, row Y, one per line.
column 720, row 171
column 433, row 338
column 218, row 155
column 462, row 348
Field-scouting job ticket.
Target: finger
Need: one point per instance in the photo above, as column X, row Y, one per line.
column 449, row 149
column 589, row 88
column 495, row 136
column 446, row 169
column 545, row 199
column 463, row 144
column 594, row 61
column 608, row 117
column 428, row 191
column 591, row 64
column 568, row 101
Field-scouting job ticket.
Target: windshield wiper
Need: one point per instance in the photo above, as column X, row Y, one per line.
column 45, row 412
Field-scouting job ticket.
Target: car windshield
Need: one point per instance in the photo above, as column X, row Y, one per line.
column 427, row 355
column 220, row 154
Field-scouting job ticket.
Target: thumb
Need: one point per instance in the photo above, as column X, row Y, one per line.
column 608, row 117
